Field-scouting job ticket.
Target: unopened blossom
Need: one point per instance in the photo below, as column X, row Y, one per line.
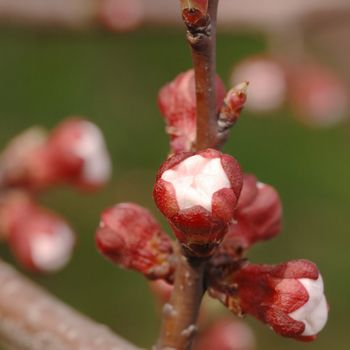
column 130, row 237
column 39, row 239
column 74, row 152
column 318, row 96
column 258, row 215
column 197, row 193
column 78, row 153
column 288, row 297
column 121, row 15
column 177, row 103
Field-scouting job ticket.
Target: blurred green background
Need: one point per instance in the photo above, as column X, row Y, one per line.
column 114, row 80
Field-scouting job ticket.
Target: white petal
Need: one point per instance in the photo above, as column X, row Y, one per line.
column 195, row 180
column 92, row 149
column 314, row 312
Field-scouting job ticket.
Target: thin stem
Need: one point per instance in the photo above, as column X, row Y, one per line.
column 31, row 319
column 201, row 36
column 181, row 313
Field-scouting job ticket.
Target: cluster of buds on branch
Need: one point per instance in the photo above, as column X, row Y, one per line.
column 216, row 213
column 73, row 153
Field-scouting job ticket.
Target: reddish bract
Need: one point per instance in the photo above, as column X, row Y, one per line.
column 177, row 103
column 258, row 215
column 130, row 237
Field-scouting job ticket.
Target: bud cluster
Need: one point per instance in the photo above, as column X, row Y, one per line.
column 73, row 153
column 216, row 213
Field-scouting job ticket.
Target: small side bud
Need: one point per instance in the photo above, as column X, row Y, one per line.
column 177, row 103
column 39, row 239
column 130, row 237
column 231, row 110
column 197, row 193
column 288, row 297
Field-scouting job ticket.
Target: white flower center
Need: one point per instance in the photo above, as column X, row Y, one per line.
column 51, row 251
column 314, row 312
column 92, row 149
column 195, row 180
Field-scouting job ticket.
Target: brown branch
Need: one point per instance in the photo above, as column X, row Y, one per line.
column 181, row 313
column 32, row 319
column 201, row 35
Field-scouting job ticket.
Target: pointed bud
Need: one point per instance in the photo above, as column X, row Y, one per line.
column 232, row 106
column 177, row 103
column 194, row 13
column 39, row 239
column 130, row 237
column 197, row 193
column 288, row 297
column 226, row 334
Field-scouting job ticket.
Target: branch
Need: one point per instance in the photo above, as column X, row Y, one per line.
column 32, row 319
column 201, row 35
column 181, row 313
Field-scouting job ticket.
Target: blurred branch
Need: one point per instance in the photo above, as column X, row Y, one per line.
column 32, row 319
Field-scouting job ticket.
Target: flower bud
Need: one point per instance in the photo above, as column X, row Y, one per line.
column 288, row 297
column 197, row 193
column 39, row 239
column 177, row 103
column 226, row 334
column 258, row 214
column 130, row 237
column 78, row 154
column 120, row 15
column 75, row 152
column 318, row 96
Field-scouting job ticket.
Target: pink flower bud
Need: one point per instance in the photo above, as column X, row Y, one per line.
column 40, row 240
column 129, row 236
column 319, row 97
column 197, row 192
column 226, row 334
column 121, row 15
column 288, row 297
column 177, row 103
column 258, row 214
column 75, row 152
column 78, row 154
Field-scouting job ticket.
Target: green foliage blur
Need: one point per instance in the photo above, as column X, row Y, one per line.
column 113, row 80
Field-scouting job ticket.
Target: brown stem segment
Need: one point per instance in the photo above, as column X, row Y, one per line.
column 31, row 319
column 201, row 35
column 181, row 312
